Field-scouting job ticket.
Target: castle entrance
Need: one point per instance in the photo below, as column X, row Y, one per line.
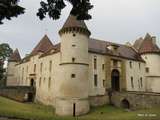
column 32, row 83
column 115, row 76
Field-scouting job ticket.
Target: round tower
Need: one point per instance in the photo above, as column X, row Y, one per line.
column 72, row 97
column 150, row 52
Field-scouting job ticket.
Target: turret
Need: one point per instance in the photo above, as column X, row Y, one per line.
column 150, row 52
column 11, row 68
column 73, row 93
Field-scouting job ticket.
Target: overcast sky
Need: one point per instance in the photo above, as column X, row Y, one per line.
column 113, row 20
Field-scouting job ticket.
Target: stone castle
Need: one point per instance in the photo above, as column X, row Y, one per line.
column 78, row 72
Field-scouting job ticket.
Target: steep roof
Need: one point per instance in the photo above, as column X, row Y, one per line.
column 100, row 47
column 73, row 22
column 123, row 51
column 148, row 45
column 43, row 46
column 138, row 43
column 15, row 56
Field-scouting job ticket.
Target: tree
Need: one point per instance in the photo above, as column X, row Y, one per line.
column 5, row 52
column 51, row 8
column 9, row 9
column 54, row 8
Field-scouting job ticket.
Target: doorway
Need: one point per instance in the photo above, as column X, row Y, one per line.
column 32, row 83
column 115, row 76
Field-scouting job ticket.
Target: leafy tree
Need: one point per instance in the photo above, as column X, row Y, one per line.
column 9, row 9
column 5, row 52
column 52, row 8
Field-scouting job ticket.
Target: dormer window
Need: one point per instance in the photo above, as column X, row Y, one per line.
column 113, row 47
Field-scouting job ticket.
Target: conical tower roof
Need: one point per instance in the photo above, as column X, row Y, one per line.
column 15, row 57
column 148, row 45
column 72, row 22
column 43, row 46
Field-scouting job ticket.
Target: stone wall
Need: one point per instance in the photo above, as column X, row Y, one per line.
column 98, row 100
column 18, row 93
column 136, row 100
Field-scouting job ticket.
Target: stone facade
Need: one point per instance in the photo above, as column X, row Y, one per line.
column 136, row 100
column 18, row 93
column 78, row 72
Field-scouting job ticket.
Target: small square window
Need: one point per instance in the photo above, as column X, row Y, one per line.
column 73, row 59
column 73, row 45
column 73, row 75
column 74, row 35
column 147, row 69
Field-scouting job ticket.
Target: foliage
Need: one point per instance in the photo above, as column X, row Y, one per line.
column 54, row 8
column 9, row 9
column 40, row 112
column 5, row 52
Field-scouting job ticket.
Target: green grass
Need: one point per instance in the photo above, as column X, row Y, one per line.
column 39, row 112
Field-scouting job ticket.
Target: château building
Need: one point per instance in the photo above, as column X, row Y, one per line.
column 79, row 71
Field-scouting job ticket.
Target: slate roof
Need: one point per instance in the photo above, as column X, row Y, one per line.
column 15, row 57
column 100, row 47
column 123, row 51
column 43, row 46
column 147, row 45
column 73, row 22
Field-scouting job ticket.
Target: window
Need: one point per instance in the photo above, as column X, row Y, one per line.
column 50, row 66
column 132, row 84
column 141, row 81
column 73, row 59
column 147, row 69
column 73, row 45
column 49, row 83
column 103, row 66
column 139, row 84
column 95, row 80
column 130, row 63
column 22, row 73
column 74, row 35
column 115, row 62
column 41, row 67
column 34, row 68
column 104, row 83
column 139, row 65
column 40, row 82
column 44, row 80
column 95, row 63
column 73, row 75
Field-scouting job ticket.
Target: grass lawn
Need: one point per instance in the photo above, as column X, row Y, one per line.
column 39, row 112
